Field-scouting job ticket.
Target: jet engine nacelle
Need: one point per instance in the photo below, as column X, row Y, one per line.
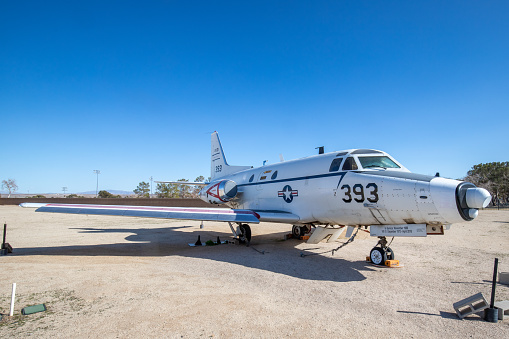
column 219, row 193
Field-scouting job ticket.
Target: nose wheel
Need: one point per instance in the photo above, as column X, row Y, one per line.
column 242, row 233
column 380, row 253
column 245, row 234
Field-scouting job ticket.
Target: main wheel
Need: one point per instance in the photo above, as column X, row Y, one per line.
column 297, row 231
column 245, row 234
column 378, row 256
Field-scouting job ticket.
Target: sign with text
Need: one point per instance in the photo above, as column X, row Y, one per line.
column 410, row 230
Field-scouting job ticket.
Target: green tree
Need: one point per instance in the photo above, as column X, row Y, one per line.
column 184, row 191
column 167, row 190
column 10, row 185
column 197, row 189
column 106, row 194
column 494, row 177
column 143, row 190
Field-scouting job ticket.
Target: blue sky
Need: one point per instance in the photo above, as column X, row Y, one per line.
column 135, row 89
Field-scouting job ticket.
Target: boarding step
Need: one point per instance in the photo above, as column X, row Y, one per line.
column 470, row 305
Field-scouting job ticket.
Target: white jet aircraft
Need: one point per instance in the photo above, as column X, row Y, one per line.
column 321, row 194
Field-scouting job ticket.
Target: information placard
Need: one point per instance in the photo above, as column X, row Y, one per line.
column 410, row 230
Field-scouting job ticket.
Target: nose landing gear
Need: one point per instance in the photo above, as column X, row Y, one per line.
column 379, row 254
column 242, row 233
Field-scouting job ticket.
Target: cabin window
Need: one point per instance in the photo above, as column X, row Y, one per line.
column 252, row 178
column 350, row 164
column 336, row 163
column 381, row 162
column 274, row 175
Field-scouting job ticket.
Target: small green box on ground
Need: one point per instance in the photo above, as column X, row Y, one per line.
column 33, row 309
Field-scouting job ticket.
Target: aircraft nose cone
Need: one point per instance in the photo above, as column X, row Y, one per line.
column 477, row 197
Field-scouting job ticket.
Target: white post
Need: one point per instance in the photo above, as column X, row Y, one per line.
column 11, row 313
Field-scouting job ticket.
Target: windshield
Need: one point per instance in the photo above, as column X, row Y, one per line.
column 382, row 162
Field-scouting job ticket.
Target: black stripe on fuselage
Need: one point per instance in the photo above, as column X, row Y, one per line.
column 342, row 174
column 391, row 174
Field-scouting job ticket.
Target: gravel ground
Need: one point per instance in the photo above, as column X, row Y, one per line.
column 112, row 277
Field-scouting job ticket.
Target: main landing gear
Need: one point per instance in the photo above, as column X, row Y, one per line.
column 242, row 233
column 299, row 231
column 379, row 254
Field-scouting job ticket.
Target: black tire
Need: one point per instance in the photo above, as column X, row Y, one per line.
column 390, row 254
column 245, row 234
column 297, row 231
column 378, row 256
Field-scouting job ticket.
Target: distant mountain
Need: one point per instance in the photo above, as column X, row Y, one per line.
column 117, row 192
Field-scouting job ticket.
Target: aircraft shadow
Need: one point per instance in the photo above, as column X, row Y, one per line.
column 265, row 253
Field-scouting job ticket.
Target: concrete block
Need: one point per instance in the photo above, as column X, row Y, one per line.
column 503, row 309
column 503, row 278
column 470, row 305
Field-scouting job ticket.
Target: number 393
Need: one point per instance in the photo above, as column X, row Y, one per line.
column 356, row 193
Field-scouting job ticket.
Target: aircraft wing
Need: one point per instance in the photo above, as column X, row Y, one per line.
column 185, row 213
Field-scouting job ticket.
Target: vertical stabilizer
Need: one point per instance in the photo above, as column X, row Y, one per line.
column 218, row 165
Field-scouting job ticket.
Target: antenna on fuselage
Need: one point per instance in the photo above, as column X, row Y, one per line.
column 321, row 149
column 281, row 157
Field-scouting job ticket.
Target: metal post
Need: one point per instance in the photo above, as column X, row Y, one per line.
column 97, row 185
column 13, row 296
column 5, row 232
column 494, row 284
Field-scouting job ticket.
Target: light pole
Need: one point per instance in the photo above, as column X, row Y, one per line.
column 97, row 186
column 64, row 189
column 151, row 186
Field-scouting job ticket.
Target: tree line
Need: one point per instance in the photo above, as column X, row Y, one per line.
column 494, row 177
column 168, row 190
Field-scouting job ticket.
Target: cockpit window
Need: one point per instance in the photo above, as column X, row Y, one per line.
column 252, row 178
column 380, row 162
column 365, row 151
column 350, row 164
column 334, row 166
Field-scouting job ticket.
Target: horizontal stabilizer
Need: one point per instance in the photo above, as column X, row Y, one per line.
column 185, row 213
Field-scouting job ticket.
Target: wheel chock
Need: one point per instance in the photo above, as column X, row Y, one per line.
column 470, row 305
column 304, row 237
column 392, row 263
column 387, row 263
column 33, row 309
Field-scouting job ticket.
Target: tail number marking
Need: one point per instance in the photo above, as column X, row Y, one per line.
column 358, row 191
column 219, row 168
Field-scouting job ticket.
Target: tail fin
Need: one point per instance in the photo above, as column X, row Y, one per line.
column 218, row 165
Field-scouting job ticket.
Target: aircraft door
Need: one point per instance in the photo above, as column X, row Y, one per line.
column 424, row 200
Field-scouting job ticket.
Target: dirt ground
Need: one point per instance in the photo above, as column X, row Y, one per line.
column 118, row 277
